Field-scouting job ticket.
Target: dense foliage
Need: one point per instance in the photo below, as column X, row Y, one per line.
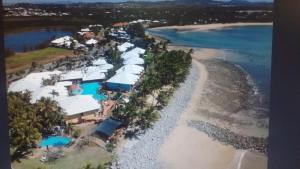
column 163, row 68
column 29, row 122
column 136, row 30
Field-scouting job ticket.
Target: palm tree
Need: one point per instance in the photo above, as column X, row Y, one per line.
column 50, row 112
column 54, row 93
column 147, row 118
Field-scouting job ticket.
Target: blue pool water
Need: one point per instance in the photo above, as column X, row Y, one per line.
column 247, row 46
column 92, row 89
column 17, row 41
column 55, row 141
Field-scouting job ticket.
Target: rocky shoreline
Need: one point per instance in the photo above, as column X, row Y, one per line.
column 229, row 100
column 228, row 137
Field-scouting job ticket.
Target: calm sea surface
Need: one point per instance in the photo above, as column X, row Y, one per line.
column 18, row 41
column 247, row 46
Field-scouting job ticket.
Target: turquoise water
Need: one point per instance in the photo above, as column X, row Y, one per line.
column 18, row 41
column 247, row 46
column 92, row 89
column 55, row 141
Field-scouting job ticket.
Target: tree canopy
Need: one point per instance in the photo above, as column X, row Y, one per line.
column 29, row 122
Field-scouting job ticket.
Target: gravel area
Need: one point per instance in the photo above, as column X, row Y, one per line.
column 142, row 152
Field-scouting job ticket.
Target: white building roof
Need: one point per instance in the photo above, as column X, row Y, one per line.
column 122, row 32
column 106, row 67
column 100, row 69
column 79, row 104
column 31, row 82
column 93, row 76
column 124, row 46
column 128, row 55
column 85, row 30
column 124, row 78
column 133, row 69
column 64, row 83
column 133, row 22
column 47, row 93
column 74, row 74
column 138, row 50
column 81, row 33
column 134, row 61
column 61, row 40
column 91, row 42
column 99, row 62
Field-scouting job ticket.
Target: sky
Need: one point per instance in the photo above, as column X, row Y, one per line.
column 60, row 1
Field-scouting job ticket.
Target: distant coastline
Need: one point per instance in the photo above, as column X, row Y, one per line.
column 207, row 27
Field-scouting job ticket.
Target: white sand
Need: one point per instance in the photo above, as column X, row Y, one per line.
column 208, row 27
column 188, row 148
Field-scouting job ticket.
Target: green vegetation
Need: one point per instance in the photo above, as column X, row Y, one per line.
column 164, row 71
column 25, row 60
column 115, row 56
column 76, row 133
column 136, row 30
column 72, row 160
column 90, row 166
column 29, row 122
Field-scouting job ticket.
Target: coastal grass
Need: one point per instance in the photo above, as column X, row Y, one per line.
column 21, row 61
column 75, row 159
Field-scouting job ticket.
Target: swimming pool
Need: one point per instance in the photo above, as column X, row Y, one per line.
column 92, row 89
column 56, row 141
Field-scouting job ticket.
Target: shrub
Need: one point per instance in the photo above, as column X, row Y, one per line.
column 76, row 133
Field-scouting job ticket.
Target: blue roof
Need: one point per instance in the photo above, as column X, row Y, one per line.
column 108, row 126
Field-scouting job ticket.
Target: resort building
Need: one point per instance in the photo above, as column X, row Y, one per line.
column 107, row 128
column 85, row 30
column 64, row 91
column 31, row 82
column 80, row 108
column 133, row 69
column 125, row 46
column 91, row 42
column 134, row 61
column 91, row 73
column 72, row 75
column 88, row 35
column 99, row 62
column 134, row 53
column 122, row 81
column 65, row 41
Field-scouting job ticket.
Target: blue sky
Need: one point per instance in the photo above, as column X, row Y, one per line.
column 59, row 1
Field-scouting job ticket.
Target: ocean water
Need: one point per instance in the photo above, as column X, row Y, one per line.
column 249, row 47
column 17, row 41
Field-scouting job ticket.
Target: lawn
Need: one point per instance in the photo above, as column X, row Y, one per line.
column 21, row 61
column 72, row 160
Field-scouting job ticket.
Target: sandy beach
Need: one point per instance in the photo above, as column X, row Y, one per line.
column 187, row 147
column 213, row 121
column 208, row 27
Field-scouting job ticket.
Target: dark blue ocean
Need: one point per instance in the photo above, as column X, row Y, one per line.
column 250, row 47
column 17, row 41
